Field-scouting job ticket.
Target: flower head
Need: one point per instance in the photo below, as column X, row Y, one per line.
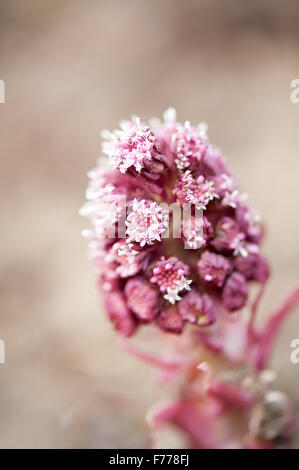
column 235, row 292
column 132, row 146
column 196, row 308
column 254, row 267
column 188, row 285
column 228, row 237
column 104, row 203
column 197, row 191
column 171, row 275
column 228, row 190
column 128, row 257
column 170, row 319
column 188, row 144
column 146, row 222
column 213, row 269
column 133, row 235
column 119, row 313
column 249, row 222
column 196, row 231
column 142, row 298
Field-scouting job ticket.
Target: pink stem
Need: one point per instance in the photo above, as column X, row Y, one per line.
column 254, row 308
column 231, row 396
column 269, row 332
column 151, row 358
column 208, row 343
column 187, row 417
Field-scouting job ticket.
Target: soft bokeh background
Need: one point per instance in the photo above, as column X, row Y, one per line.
column 72, row 68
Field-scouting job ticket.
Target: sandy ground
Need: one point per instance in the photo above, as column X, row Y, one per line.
column 71, row 69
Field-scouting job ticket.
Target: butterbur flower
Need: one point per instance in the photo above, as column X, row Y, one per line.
column 215, row 163
column 171, row 320
column 196, row 231
column 213, row 269
column 224, row 184
column 253, row 266
column 228, row 237
column 198, row 192
column 171, row 275
column 131, row 147
column 250, row 223
column 119, row 313
column 190, row 278
column 199, row 309
column 147, row 222
column 235, row 292
column 142, row 298
column 129, row 258
column 189, row 144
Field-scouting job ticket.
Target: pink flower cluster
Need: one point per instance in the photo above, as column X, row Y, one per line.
column 199, row 274
column 209, row 267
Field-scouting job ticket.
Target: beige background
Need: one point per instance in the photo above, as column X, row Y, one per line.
column 72, row 68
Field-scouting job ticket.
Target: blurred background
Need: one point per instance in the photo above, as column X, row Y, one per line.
column 70, row 69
